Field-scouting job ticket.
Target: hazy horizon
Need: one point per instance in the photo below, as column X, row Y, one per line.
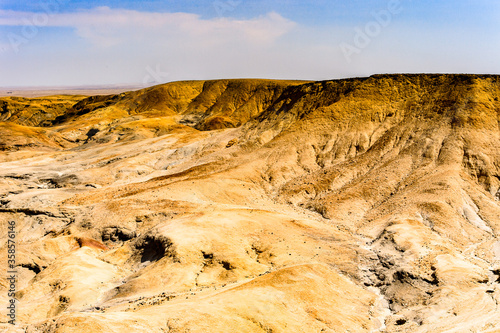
column 140, row 86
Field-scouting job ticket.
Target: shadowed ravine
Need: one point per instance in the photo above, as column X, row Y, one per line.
column 357, row 205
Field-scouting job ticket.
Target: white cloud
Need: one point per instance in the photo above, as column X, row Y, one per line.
column 104, row 26
column 123, row 44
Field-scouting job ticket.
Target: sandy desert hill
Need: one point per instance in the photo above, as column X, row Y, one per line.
column 356, row 205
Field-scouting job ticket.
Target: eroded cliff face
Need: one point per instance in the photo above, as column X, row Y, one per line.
column 361, row 205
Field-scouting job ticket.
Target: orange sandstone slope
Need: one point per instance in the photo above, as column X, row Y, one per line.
column 358, row 205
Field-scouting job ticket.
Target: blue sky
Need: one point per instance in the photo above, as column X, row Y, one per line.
column 76, row 42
